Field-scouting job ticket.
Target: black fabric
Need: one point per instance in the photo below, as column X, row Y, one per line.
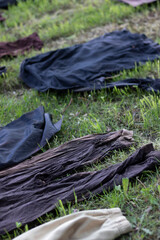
column 147, row 84
column 6, row 3
column 34, row 191
column 82, row 65
column 2, row 70
column 24, row 136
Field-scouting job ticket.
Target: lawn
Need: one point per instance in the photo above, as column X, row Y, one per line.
column 62, row 23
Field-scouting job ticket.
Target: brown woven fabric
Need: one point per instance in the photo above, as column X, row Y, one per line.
column 75, row 153
column 20, row 46
column 35, row 186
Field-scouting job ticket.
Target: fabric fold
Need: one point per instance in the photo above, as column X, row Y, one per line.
column 147, row 84
column 25, row 136
column 101, row 224
column 87, row 64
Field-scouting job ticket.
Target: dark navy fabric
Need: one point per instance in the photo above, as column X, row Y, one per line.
column 82, row 65
column 25, row 136
column 147, row 84
column 2, row 70
column 6, row 3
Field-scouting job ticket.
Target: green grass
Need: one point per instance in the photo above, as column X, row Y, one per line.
column 61, row 23
column 52, row 24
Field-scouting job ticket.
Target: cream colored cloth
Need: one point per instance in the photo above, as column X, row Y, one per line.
column 103, row 224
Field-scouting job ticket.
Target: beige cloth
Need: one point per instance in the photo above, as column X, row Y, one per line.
column 103, row 224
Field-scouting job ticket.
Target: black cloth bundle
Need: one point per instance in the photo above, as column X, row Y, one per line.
column 84, row 65
column 25, row 136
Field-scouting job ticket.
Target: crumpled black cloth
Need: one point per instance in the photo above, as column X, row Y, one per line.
column 82, row 65
column 34, row 191
column 2, row 70
column 147, row 84
column 24, row 136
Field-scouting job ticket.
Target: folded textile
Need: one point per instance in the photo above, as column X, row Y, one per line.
column 2, row 70
column 136, row 3
column 24, row 136
column 31, row 192
column 147, row 84
column 2, row 19
column 82, row 65
column 35, row 188
column 20, row 46
column 103, row 224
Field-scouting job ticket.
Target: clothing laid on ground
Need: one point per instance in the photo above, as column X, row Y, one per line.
column 101, row 224
column 25, row 136
column 83, row 65
column 35, row 187
column 74, row 154
column 20, row 46
column 147, row 84
column 136, row 3
column 2, row 70
column 2, row 19
column 35, row 190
